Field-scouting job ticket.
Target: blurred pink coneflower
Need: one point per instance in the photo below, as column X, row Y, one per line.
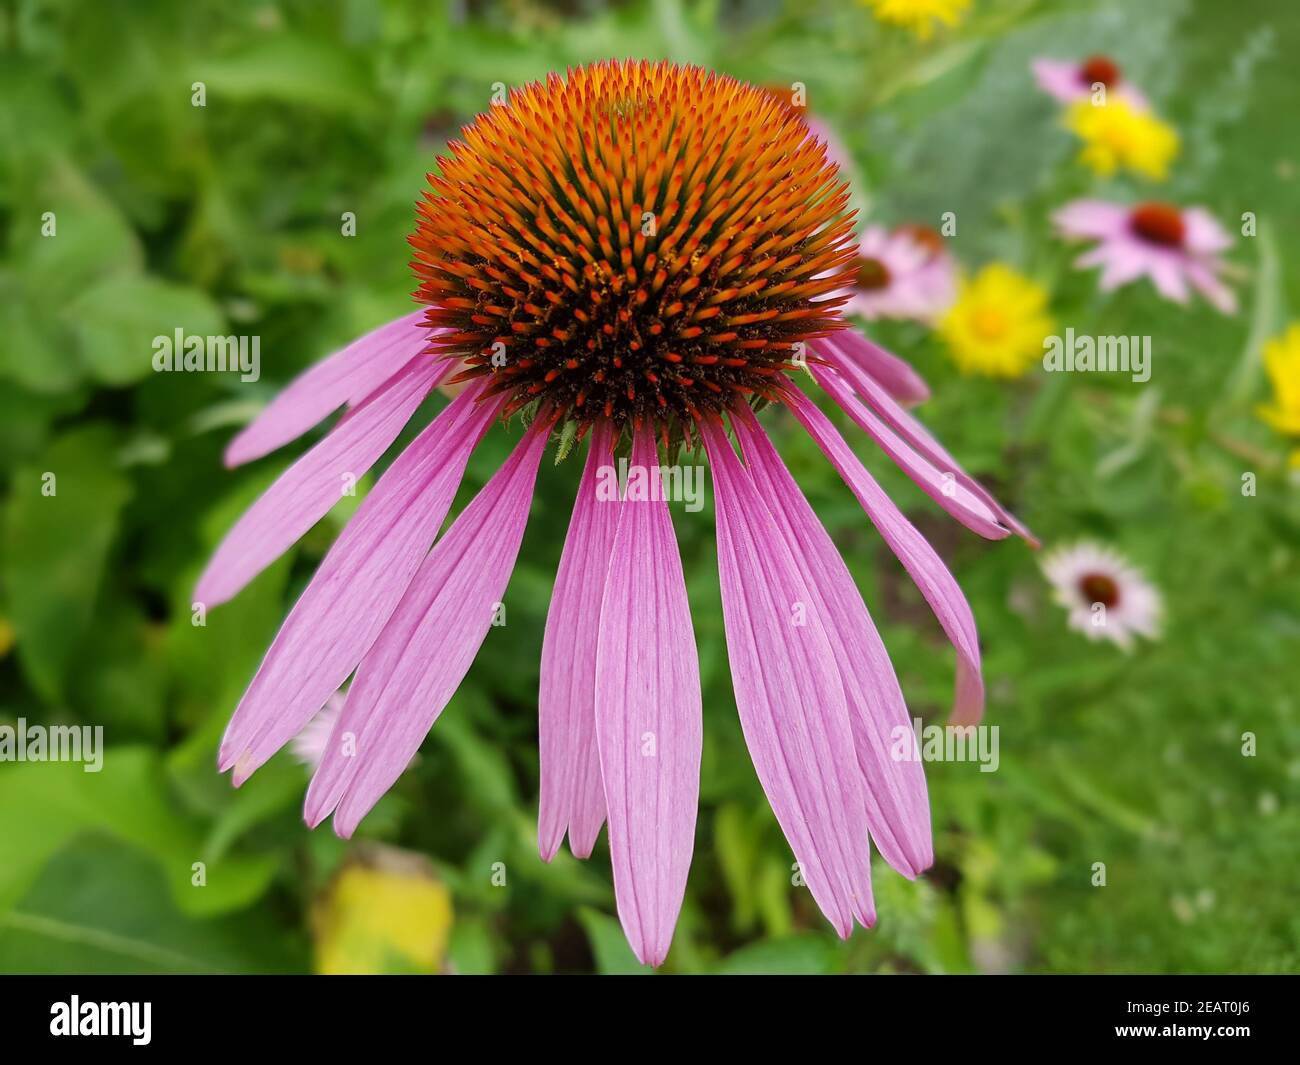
column 1070, row 81
column 903, row 273
column 1105, row 595
column 1178, row 248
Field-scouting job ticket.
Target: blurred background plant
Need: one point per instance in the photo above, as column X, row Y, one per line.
column 227, row 218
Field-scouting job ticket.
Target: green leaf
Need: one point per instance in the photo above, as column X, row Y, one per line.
column 1267, row 317
column 806, row 955
column 101, row 908
column 116, row 321
column 471, row 952
column 294, row 70
column 613, row 956
column 61, row 521
column 483, row 767
column 46, row 805
column 36, row 354
column 735, row 842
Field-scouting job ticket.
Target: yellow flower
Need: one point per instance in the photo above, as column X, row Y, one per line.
column 384, row 913
column 1117, row 134
column 919, row 16
column 998, row 323
column 1282, row 361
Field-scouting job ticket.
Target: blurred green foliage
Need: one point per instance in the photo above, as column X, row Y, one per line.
column 226, row 218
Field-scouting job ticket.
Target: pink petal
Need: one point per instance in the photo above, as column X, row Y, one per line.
column 1204, row 234
column 789, row 697
column 1122, row 261
column 920, row 438
column 894, row 375
column 936, row 584
column 1166, row 274
column 572, row 792
column 357, row 586
column 306, row 491
column 1059, row 79
column 949, row 492
column 872, row 242
column 898, row 809
column 347, row 376
column 1203, row 278
column 427, row 646
column 1099, row 219
column 648, row 719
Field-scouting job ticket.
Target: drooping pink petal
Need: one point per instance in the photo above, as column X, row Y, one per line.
column 895, row 376
column 898, row 808
column 306, row 491
column 1166, row 274
column 1203, row 278
column 1121, row 261
column 1204, row 234
column 948, row 491
column 936, row 584
column 1099, row 219
column 789, row 696
column 1059, row 79
column 357, row 586
column 648, row 714
column 426, row 648
column 920, row 438
column 347, row 376
column 572, row 793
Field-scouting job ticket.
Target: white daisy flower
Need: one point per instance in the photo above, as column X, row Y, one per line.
column 1107, row 598
column 310, row 744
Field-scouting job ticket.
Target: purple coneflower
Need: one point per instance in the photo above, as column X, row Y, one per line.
column 633, row 254
column 1106, row 597
column 903, row 273
column 1177, row 248
column 1069, row 81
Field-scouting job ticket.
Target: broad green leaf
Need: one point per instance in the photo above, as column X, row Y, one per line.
column 44, row 806
column 290, row 69
column 613, row 956
column 117, row 320
column 59, row 527
column 806, row 955
column 100, row 907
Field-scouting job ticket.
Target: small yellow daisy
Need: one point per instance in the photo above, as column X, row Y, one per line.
column 919, row 16
column 998, row 323
column 1282, row 361
column 1117, row 134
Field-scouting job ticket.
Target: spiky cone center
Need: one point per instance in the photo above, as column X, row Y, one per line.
column 1099, row 588
column 872, row 274
column 928, row 238
column 1099, row 69
column 633, row 242
column 1159, row 223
